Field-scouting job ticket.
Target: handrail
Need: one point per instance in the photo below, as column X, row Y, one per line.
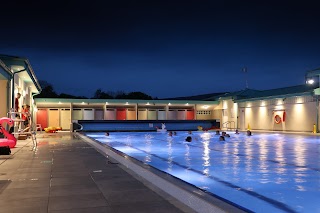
column 29, row 130
column 228, row 125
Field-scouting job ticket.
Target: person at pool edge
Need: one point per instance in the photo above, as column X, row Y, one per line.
column 16, row 104
column 237, row 131
column 25, row 115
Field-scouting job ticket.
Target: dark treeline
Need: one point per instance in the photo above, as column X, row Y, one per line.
column 48, row 92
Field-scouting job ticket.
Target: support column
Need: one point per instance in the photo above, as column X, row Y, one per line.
column 167, row 109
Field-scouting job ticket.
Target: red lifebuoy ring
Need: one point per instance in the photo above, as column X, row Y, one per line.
column 277, row 119
column 284, row 116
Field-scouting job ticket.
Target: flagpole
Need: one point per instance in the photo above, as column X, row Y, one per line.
column 246, row 76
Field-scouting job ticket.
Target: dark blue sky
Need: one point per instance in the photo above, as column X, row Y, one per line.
column 163, row 48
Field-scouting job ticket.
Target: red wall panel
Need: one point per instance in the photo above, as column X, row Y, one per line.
column 121, row 114
column 42, row 117
column 190, row 115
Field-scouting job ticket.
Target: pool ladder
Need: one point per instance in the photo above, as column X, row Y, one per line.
column 229, row 125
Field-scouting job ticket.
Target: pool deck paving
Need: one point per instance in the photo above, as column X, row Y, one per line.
column 66, row 174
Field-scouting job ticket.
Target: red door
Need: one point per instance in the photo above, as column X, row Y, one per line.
column 190, row 114
column 42, row 118
column 121, row 114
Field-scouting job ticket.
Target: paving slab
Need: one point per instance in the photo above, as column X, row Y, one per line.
column 66, row 174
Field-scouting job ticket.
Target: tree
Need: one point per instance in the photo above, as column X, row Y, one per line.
column 47, row 90
column 63, row 95
column 138, row 95
column 99, row 94
column 120, row 95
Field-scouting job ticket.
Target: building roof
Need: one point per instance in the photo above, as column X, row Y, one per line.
column 235, row 95
column 203, row 97
column 251, row 94
column 17, row 65
column 5, row 72
column 279, row 93
column 49, row 102
column 312, row 73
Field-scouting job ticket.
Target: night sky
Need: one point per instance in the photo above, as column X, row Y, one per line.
column 163, row 48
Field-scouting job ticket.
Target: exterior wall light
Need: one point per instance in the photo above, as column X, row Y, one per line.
column 310, row 81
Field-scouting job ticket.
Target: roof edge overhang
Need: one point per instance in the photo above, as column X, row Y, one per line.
column 277, row 96
column 27, row 67
column 6, row 69
column 110, row 101
column 313, row 73
column 33, row 76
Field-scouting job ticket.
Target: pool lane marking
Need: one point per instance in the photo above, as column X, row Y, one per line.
column 271, row 201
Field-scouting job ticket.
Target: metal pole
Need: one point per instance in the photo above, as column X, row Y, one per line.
column 317, row 108
column 246, row 76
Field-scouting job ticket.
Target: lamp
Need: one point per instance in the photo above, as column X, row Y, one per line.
column 310, row 81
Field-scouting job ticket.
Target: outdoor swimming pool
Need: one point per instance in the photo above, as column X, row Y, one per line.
column 263, row 173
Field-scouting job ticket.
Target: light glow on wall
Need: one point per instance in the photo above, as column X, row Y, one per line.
column 298, row 108
column 263, row 111
column 279, row 107
column 235, row 109
column 279, row 101
column 263, row 103
column 225, row 105
column 299, row 100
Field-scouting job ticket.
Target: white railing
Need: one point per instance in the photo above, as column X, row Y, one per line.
column 229, row 125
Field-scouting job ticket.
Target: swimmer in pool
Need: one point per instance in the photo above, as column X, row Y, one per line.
column 188, row 139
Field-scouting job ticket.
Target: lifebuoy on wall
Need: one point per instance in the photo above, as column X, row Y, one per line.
column 277, row 119
column 284, row 116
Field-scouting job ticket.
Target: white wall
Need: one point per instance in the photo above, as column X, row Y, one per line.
column 260, row 115
column 3, row 98
column 229, row 114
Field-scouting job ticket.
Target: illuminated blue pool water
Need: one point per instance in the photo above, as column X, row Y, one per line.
column 263, row 173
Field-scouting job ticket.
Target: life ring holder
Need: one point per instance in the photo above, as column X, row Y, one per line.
column 277, row 119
